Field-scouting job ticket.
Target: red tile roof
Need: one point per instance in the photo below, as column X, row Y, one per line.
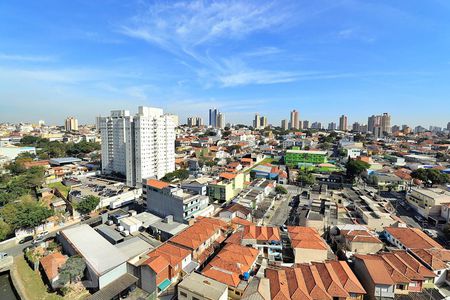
column 172, row 253
column 51, row 264
column 230, row 263
column 157, row 183
column 261, row 233
column 306, row 238
column 327, row 280
column 413, row 238
column 376, row 269
column 228, row 176
column 195, row 235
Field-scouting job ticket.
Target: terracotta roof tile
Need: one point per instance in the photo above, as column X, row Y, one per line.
column 51, row 264
column 413, row 238
column 262, row 233
column 158, row 184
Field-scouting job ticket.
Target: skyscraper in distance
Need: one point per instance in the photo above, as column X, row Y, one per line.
column 294, row 120
column 71, row 124
column 284, row 124
column 386, row 123
column 221, row 121
column 262, row 122
column 256, row 121
column 343, row 125
column 213, row 117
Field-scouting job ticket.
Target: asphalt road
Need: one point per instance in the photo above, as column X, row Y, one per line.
column 18, row 249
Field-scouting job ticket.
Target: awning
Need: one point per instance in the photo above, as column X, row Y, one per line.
column 114, row 288
column 164, row 285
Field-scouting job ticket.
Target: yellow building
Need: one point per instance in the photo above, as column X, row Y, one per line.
column 227, row 187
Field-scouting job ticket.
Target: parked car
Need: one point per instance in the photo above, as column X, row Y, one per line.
column 42, row 234
column 26, row 239
column 38, row 240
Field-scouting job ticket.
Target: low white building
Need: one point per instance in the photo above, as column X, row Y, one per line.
column 196, row 286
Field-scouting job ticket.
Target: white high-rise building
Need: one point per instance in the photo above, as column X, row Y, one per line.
column 140, row 146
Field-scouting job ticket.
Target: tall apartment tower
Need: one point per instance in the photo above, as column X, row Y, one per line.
column 140, row 146
column 263, row 122
column 71, row 124
column 386, row 123
column 305, row 124
column 213, row 117
column 256, row 121
column 284, row 124
column 448, row 126
column 295, row 120
column 221, row 121
column 332, row 126
column 343, row 125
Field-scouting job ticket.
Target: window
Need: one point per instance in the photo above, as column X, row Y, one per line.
column 183, row 294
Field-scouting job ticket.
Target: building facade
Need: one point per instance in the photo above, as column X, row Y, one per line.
column 295, row 156
column 140, row 146
column 71, row 124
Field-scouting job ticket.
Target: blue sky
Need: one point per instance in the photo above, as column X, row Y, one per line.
column 323, row 58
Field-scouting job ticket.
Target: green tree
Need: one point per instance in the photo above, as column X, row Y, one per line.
column 26, row 214
column 279, row 189
column 326, row 146
column 181, row 174
column 72, row 271
column 305, row 178
column 356, row 168
column 87, row 204
column 5, row 230
column 430, row 177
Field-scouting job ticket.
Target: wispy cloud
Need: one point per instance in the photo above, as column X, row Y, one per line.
column 355, row 34
column 26, row 58
column 195, row 31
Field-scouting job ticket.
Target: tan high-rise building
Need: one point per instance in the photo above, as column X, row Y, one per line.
column 71, row 124
column 221, row 121
column 386, row 123
column 343, row 125
column 295, row 120
column 256, row 121
column 284, row 124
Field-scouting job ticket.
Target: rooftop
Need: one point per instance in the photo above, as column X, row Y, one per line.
column 413, row 238
column 99, row 254
column 203, row 286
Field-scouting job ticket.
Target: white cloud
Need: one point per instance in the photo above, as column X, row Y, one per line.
column 192, row 30
column 26, row 58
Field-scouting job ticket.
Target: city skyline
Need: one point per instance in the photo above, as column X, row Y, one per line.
column 324, row 59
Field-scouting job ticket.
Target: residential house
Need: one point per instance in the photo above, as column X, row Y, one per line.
column 227, row 186
column 267, row 239
column 202, row 238
column 406, row 278
column 232, row 266
column 50, row 265
column 307, row 244
column 317, row 281
column 164, row 266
